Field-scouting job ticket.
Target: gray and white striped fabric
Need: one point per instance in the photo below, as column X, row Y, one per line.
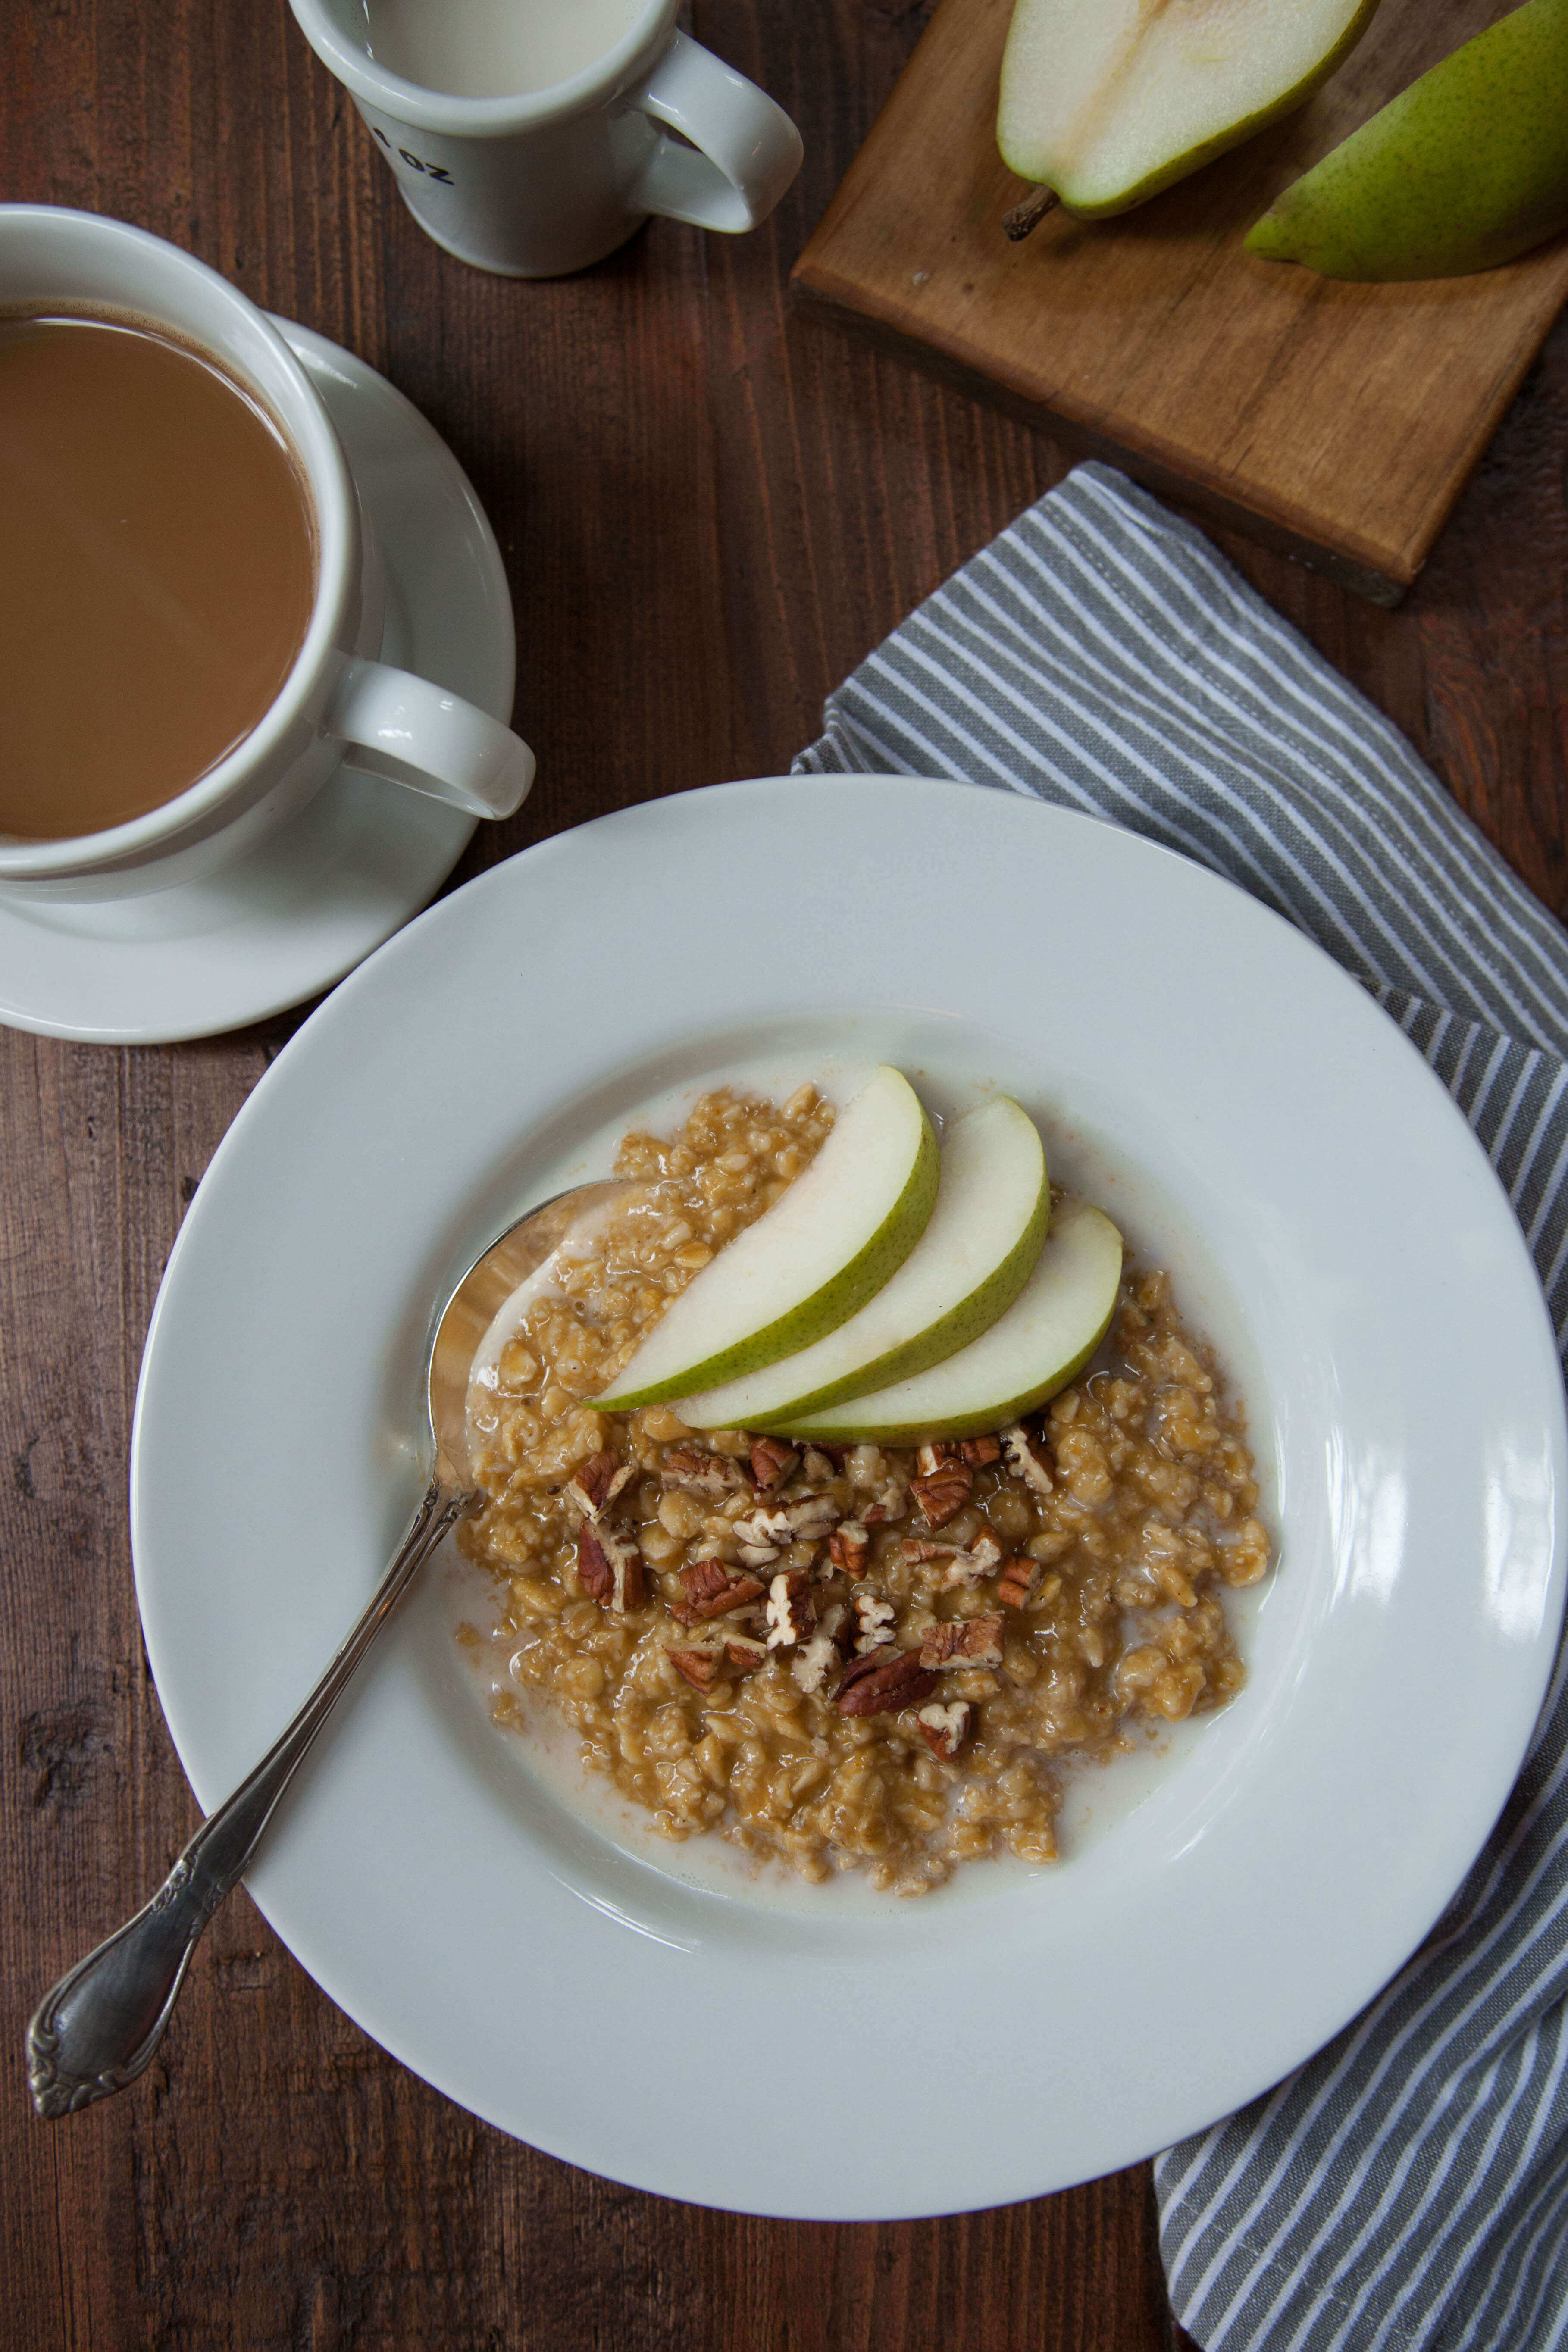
column 1409, row 2187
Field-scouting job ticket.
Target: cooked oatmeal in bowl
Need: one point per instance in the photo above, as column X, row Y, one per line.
column 864, row 1655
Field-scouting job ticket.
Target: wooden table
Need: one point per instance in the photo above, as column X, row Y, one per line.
column 710, row 508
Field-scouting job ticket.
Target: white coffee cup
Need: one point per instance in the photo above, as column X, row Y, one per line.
column 339, row 704
column 541, row 184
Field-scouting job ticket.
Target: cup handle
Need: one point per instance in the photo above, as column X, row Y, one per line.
column 751, row 151
column 414, row 733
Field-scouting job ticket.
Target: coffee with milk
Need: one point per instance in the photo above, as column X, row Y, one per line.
column 157, row 569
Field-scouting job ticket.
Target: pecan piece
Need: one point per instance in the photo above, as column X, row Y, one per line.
column 880, row 1685
column 700, row 1662
column 817, row 1464
column 712, row 1475
column 1027, row 1458
column 699, row 1666
column 790, row 1613
column 1018, row 1583
column 806, row 1521
column 945, row 1730
column 594, row 1484
column 964, row 1642
column 849, row 1547
column 772, row 1460
column 609, row 1568
column 942, row 1492
column 874, row 1617
column 978, row 1451
column 820, row 1653
column 712, row 1590
column 984, row 1557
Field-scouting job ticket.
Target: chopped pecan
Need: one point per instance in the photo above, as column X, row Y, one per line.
column 701, row 1661
column 609, row 1568
column 945, row 1730
column 699, row 1666
column 712, row 1475
column 712, row 1590
column 594, row 1484
column 817, row 1465
column 943, row 1491
column 817, row 1656
column 806, row 1521
column 772, row 1460
column 759, row 1555
column 874, row 1617
column 929, row 1459
column 790, row 1613
column 983, row 1558
column 849, row 1547
column 1018, row 1583
column 978, row 1451
column 964, row 1642
column 1027, row 1458
column 878, row 1684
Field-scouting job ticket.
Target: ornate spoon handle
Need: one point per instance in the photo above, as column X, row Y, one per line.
column 99, row 2025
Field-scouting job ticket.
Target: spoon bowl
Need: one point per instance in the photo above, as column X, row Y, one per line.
column 96, row 2029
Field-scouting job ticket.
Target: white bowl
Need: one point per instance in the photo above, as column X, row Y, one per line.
column 652, row 2011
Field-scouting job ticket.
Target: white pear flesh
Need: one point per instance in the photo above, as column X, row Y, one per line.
column 841, row 1231
column 1105, row 101
column 991, row 1213
column 1043, row 1341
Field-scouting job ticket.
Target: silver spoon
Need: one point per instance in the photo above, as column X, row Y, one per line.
column 96, row 2031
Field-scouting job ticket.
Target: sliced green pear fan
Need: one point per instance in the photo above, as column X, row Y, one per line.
column 1105, row 101
column 1043, row 1341
column 993, row 1209
column 838, row 1233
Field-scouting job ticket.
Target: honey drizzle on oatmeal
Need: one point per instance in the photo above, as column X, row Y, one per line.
column 1139, row 1509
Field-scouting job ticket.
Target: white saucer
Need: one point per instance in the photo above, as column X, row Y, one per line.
column 285, row 923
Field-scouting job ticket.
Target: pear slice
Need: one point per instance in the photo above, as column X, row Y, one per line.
column 838, row 1233
column 993, row 1208
column 1046, row 1336
column 1463, row 170
column 1106, row 101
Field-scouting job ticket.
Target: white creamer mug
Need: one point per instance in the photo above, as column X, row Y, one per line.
column 338, row 705
column 543, row 184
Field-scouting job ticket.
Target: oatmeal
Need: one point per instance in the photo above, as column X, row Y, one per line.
column 851, row 1657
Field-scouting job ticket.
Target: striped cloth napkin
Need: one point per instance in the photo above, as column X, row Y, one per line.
column 1409, row 2186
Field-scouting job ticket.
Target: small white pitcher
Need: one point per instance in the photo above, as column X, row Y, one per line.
column 546, row 183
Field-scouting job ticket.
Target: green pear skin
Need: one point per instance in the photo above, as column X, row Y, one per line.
column 1082, row 171
column 1465, row 170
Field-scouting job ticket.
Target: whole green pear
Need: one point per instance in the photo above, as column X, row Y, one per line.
column 1463, row 170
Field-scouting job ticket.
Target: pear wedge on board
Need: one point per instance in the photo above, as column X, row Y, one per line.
column 812, row 1260
column 1463, row 170
column 993, row 1209
column 1043, row 1341
column 1106, row 101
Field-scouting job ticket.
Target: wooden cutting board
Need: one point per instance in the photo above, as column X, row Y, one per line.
column 1339, row 422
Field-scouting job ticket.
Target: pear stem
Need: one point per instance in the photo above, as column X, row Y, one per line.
column 1028, row 214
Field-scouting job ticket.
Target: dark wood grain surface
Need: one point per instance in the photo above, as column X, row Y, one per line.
column 710, row 508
